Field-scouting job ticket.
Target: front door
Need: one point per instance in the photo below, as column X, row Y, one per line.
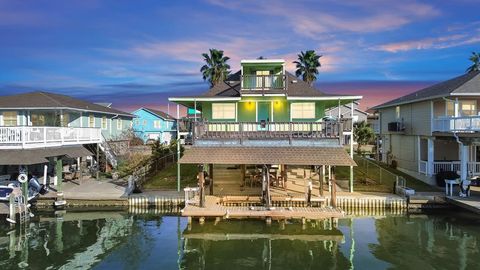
column 263, row 114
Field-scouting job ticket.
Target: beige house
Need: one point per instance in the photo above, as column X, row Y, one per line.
column 434, row 129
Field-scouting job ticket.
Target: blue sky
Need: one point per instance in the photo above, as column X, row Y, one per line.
column 137, row 53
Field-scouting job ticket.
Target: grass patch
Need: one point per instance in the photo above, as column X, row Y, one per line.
column 368, row 179
column 166, row 179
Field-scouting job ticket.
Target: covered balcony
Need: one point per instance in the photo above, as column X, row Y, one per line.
column 437, row 155
column 456, row 115
column 263, row 76
column 457, row 124
column 270, row 133
column 26, row 137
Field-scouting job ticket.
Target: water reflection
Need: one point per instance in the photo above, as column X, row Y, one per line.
column 112, row 240
column 253, row 245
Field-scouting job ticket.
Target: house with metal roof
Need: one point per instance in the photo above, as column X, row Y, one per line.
column 261, row 119
column 152, row 125
column 434, row 129
column 42, row 130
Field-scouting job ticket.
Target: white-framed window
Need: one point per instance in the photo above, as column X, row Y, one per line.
column 144, row 122
column 303, row 110
column 468, row 107
column 137, row 122
column 119, row 124
column 91, row 121
column 223, row 111
column 397, row 112
column 156, row 124
column 9, row 118
column 104, row 122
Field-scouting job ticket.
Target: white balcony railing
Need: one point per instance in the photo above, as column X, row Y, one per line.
column 22, row 137
column 457, row 124
column 453, row 166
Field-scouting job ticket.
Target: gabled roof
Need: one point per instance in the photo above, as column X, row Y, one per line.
column 160, row 114
column 230, row 88
column 466, row 84
column 46, row 100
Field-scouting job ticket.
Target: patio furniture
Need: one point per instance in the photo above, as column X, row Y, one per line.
column 449, row 186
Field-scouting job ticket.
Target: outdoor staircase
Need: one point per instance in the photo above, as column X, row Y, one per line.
column 296, row 174
column 108, row 152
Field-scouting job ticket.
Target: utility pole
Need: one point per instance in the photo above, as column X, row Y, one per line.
column 178, row 148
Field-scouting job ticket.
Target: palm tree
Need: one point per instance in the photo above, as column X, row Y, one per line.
column 216, row 68
column 475, row 58
column 307, row 66
column 363, row 134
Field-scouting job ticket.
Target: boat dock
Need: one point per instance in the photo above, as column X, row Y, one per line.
column 214, row 209
column 469, row 203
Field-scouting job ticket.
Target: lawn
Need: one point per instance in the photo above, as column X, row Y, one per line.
column 166, row 179
column 368, row 178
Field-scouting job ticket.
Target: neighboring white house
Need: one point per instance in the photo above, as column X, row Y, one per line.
column 346, row 112
column 434, row 129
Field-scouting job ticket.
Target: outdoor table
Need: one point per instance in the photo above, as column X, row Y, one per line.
column 449, row 186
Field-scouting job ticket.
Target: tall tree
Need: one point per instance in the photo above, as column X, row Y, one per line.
column 216, row 68
column 307, row 66
column 475, row 58
column 363, row 134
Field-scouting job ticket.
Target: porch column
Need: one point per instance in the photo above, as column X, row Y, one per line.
column 456, row 108
column 430, row 157
column 351, row 148
column 463, row 161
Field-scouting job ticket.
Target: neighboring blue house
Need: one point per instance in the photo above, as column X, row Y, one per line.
column 153, row 124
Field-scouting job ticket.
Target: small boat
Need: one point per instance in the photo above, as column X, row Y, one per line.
column 34, row 189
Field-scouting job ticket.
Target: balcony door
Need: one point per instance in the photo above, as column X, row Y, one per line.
column 263, row 114
column 263, row 79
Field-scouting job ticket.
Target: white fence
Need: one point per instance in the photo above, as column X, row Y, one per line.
column 34, row 137
column 458, row 124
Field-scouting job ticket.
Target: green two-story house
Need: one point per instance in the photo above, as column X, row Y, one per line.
column 264, row 115
column 263, row 92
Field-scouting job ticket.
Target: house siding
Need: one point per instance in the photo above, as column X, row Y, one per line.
column 247, row 109
column 416, row 118
column 148, row 130
column 403, row 149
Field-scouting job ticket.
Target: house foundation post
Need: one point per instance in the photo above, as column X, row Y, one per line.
column 58, row 173
column 210, row 174
column 333, row 194
column 201, row 185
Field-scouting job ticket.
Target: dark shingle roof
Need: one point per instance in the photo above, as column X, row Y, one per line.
column 45, row 100
column 231, row 87
column 160, row 114
column 464, row 84
column 335, row 156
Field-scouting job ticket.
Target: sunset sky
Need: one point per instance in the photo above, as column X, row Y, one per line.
column 137, row 53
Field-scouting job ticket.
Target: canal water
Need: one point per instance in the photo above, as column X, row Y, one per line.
column 118, row 240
